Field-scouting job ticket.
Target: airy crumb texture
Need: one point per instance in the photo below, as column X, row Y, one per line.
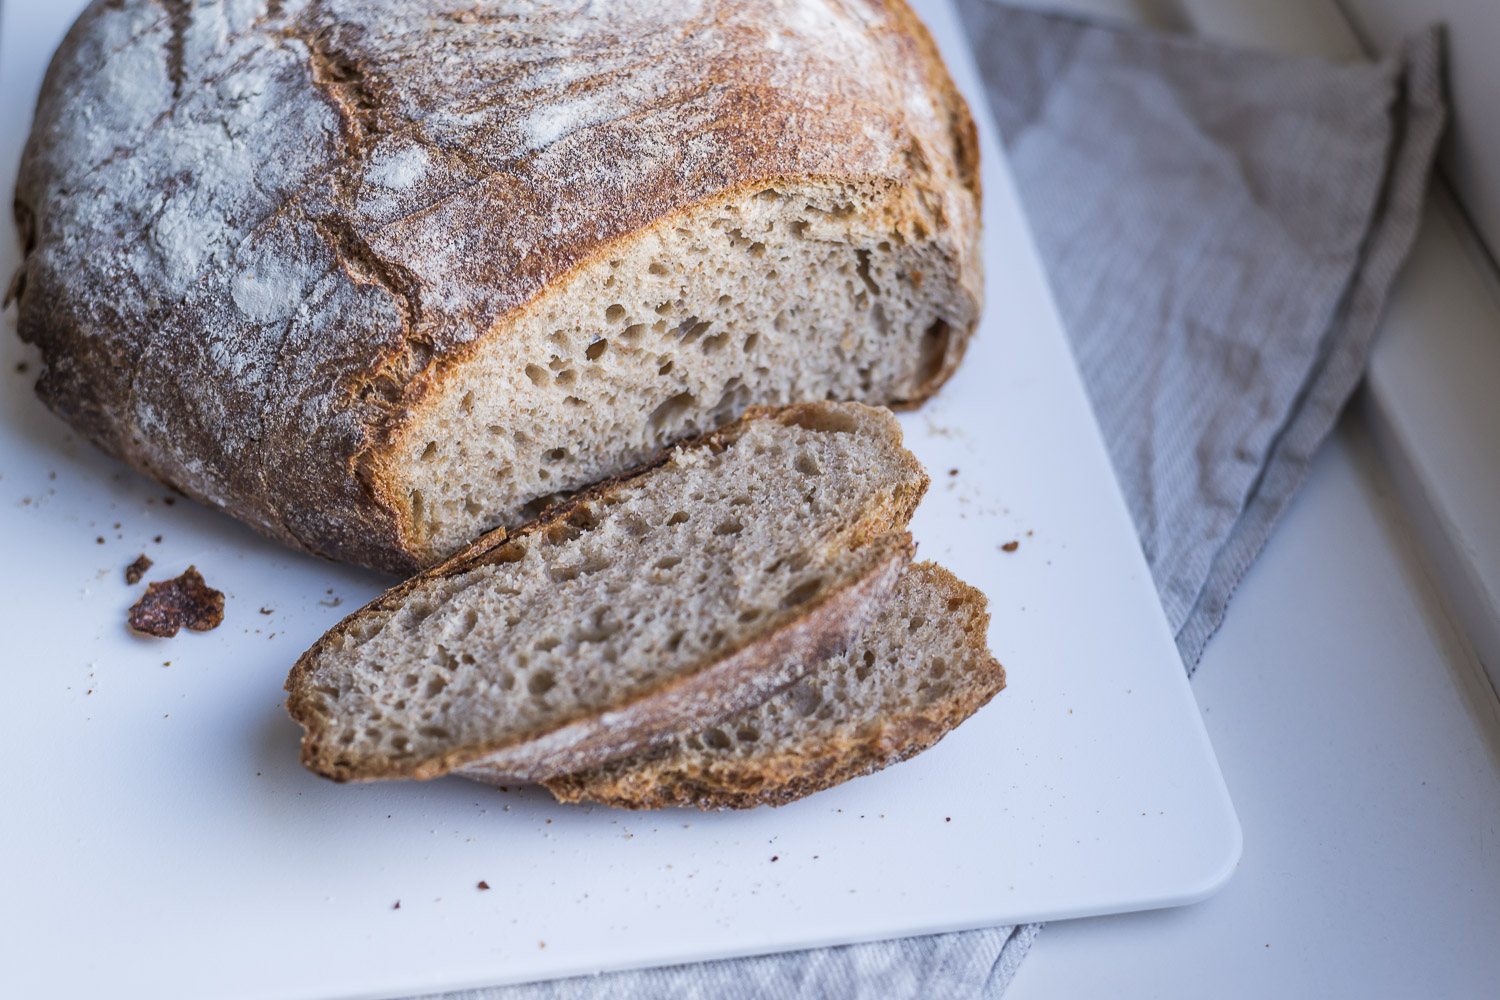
column 920, row 668
column 169, row 605
column 137, row 569
column 787, row 294
column 645, row 608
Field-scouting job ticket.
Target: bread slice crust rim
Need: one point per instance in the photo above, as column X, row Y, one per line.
column 750, row 672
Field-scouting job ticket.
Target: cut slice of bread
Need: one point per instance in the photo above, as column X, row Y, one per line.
column 919, row 669
column 648, row 607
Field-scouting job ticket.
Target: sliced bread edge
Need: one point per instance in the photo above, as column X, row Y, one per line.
column 675, row 774
column 739, row 680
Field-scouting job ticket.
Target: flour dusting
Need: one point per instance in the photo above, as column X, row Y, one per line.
column 267, row 293
column 400, row 170
column 552, row 123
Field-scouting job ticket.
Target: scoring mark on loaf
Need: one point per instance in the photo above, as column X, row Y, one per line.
column 180, row 17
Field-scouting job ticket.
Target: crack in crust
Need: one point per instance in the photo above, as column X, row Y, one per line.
column 346, row 81
column 180, row 18
column 360, row 261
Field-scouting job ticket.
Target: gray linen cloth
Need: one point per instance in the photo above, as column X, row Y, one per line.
column 1220, row 229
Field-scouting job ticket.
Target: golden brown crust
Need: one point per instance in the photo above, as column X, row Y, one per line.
column 962, row 214
column 738, row 678
column 668, row 776
column 249, row 297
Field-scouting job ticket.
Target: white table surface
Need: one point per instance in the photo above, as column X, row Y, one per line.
column 1354, row 723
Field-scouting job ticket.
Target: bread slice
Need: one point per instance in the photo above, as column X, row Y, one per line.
column 650, row 606
column 919, row 669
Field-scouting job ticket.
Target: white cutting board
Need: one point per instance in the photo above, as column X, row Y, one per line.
column 158, row 838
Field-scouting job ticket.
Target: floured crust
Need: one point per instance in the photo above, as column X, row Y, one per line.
column 257, row 236
column 738, row 677
column 784, row 771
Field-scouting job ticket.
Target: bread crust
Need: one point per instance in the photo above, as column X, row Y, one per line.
column 255, row 250
column 736, row 679
column 660, row 778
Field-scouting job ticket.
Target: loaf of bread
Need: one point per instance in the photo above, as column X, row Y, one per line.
column 377, row 276
column 919, row 669
column 646, row 608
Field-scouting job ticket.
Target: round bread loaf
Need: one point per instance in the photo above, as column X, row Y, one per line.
column 377, row 276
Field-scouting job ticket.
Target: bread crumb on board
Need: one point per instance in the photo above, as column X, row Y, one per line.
column 137, row 569
column 168, row 605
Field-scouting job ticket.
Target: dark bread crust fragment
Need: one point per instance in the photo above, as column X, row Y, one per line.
column 137, row 569
column 169, row 605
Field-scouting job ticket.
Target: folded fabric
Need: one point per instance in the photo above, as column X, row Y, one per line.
column 1220, row 228
column 968, row 964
